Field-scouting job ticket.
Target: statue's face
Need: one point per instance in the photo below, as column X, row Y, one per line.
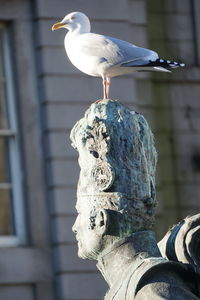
column 87, row 235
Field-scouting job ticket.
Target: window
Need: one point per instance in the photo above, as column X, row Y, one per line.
column 12, row 230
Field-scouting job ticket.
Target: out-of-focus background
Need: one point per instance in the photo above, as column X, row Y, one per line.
column 42, row 96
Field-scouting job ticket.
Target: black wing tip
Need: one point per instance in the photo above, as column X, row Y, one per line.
column 159, row 62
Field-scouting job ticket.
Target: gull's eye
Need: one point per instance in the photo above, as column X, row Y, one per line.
column 72, row 18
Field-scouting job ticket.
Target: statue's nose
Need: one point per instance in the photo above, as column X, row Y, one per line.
column 74, row 229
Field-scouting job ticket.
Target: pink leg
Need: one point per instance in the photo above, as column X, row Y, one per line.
column 107, row 87
column 104, row 89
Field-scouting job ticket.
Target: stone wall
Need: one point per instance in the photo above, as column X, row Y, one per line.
column 172, row 30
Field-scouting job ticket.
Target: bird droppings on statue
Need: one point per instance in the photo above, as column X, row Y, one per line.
column 104, row 56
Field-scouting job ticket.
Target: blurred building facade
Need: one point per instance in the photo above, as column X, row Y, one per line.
column 42, row 96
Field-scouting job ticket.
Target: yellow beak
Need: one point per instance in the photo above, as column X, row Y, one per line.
column 57, row 26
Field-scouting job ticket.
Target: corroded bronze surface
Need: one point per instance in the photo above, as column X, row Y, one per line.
column 116, row 208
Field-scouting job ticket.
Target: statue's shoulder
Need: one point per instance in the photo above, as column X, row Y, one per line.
column 159, row 277
column 155, row 278
column 177, row 272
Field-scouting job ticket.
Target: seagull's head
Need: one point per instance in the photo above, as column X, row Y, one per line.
column 75, row 21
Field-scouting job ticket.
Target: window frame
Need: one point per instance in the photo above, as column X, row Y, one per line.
column 14, row 150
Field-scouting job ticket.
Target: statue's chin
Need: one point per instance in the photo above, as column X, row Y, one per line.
column 85, row 254
column 81, row 254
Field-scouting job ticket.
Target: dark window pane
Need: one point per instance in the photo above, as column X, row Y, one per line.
column 3, row 107
column 4, row 160
column 10, row 185
column 6, row 220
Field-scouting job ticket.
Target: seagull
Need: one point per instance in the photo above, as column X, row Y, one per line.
column 104, row 56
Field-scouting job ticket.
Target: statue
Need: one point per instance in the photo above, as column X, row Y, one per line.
column 116, row 203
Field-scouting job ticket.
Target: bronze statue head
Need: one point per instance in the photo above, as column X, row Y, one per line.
column 116, row 187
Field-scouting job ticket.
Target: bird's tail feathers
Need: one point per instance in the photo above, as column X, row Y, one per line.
column 161, row 69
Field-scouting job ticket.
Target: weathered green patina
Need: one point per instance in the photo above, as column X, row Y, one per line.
column 116, row 208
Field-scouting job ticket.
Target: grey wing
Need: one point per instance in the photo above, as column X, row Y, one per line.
column 132, row 55
column 115, row 51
